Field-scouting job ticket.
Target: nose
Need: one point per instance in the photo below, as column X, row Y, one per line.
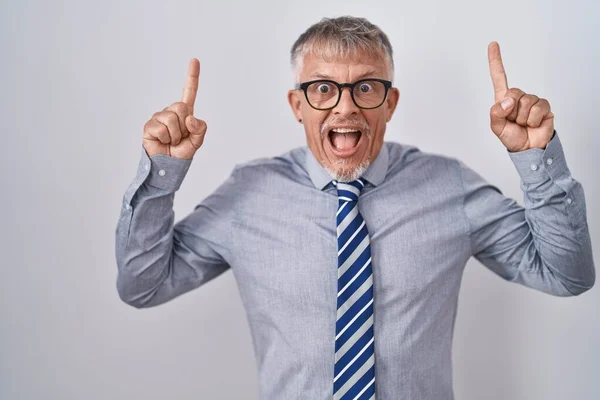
column 346, row 105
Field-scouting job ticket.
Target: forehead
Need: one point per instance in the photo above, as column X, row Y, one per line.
column 315, row 66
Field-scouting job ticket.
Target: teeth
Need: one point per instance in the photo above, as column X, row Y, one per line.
column 344, row 130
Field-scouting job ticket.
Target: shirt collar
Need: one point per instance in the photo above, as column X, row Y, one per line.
column 375, row 173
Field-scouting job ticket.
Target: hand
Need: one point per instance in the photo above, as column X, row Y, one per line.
column 526, row 120
column 174, row 131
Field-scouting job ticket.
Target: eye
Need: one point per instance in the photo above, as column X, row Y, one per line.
column 365, row 87
column 323, row 88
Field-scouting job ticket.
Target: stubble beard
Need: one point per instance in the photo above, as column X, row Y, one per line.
column 348, row 174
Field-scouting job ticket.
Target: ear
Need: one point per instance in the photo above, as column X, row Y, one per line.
column 295, row 101
column 391, row 102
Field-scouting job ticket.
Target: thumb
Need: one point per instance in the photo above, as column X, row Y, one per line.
column 499, row 112
column 197, row 129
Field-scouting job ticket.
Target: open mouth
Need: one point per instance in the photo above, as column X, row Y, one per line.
column 344, row 141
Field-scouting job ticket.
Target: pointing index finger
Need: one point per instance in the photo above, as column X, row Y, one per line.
column 191, row 83
column 497, row 71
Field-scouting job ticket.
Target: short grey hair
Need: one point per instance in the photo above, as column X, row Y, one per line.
column 342, row 37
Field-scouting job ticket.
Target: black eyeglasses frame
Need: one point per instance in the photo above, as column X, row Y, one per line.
column 304, row 86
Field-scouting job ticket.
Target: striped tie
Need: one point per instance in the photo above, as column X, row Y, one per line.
column 354, row 371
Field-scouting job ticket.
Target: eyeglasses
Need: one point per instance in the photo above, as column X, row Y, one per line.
column 325, row 94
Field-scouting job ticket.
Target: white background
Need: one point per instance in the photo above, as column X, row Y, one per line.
column 77, row 83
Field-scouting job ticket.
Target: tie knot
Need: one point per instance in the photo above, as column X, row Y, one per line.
column 349, row 191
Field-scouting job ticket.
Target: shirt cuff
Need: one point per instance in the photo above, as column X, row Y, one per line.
column 538, row 165
column 165, row 172
column 159, row 171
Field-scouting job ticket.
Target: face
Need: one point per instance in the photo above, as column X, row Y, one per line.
column 345, row 139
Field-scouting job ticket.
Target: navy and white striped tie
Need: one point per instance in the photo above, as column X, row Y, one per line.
column 354, row 370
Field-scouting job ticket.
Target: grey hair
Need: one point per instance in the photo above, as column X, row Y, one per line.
column 342, row 37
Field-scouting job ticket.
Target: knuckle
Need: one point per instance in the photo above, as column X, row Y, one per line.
column 537, row 107
column 533, row 121
column 171, row 117
column 515, row 92
column 526, row 101
column 529, row 99
column 162, row 130
column 180, row 108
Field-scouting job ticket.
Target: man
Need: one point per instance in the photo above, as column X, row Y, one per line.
column 349, row 252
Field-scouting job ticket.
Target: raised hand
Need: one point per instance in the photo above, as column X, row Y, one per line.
column 174, row 131
column 521, row 121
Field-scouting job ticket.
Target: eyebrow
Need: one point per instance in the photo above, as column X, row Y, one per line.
column 325, row 76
